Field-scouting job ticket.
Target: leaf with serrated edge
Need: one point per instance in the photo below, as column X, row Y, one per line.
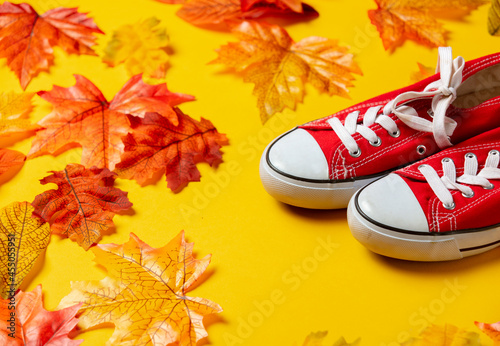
column 492, row 330
column 144, row 294
column 24, row 238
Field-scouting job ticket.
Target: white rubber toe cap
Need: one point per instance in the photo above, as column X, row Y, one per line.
column 298, row 154
column 390, row 202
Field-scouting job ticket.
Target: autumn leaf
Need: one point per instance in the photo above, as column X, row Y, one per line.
column 317, row 339
column 494, row 18
column 156, row 144
column 399, row 20
column 279, row 67
column 141, row 46
column 27, row 39
column 447, row 335
column 172, row 1
column 14, row 111
column 82, row 115
column 9, row 159
column 492, row 330
column 24, row 238
column 423, row 73
column 144, row 294
column 83, row 205
column 202, row 12
column 29, row 324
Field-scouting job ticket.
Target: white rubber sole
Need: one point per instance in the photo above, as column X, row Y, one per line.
column 419, row 246
column 308, row 193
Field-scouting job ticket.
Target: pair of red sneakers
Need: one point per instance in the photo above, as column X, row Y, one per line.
column 418, row 167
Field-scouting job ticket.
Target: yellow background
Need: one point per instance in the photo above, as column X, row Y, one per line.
column 268, row 272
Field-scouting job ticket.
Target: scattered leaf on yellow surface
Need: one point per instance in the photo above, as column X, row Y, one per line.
column 141, row 46
column 23, row 239
column 399, row 20
column 9, row 159
column 423, row 73
column 492, row 330
column 144, row 294
column 342, row 342
column 24, row 322
column 448, row 335
column 279, row 67
column 315, row 339
column 14, row 110
column 494, row 18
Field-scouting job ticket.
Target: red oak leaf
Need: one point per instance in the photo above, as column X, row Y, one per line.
column 9, row 159
column 83, row 205
column 27, row 38
column 155, row 143
column 30, row 324
column 83, row 115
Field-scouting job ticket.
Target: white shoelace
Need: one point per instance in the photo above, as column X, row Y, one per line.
column 449, row 181
column 443, row 93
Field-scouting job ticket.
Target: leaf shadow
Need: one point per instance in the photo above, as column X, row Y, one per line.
column 209, row 320
column 34, row 271
column 204, row 277
column 321, row 215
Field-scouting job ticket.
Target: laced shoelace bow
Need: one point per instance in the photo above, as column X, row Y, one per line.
column 449, row 181
column 443, row 93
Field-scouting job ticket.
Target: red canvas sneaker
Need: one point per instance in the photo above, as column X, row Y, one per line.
column 321, row 164
column 444, row 207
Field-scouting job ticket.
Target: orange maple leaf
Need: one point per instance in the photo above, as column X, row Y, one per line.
column 399, row 20
column 423, row 73
column 279, row 67
column 83, row 115
column 201, row 12
column 83, row 205
column 14, row 111
column 492, row 330
column 24, row 321
column 27, row 38
column 144, row 294
column 155, row 144
column 9, row 159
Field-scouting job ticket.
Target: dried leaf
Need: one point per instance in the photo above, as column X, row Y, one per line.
column 24, row 238
column 315, row 339
column 14, row 111
column 27, row 38
column 155, row 144
column 494, row 18
column 399, row 20
column 144, row 294
column 448, row 335
column 83, row 115
column 201, row 12
column 27, row 323
column 342, row 342
column 83, row 204
column 492, row 330
column 279, row 67
column 9, row 159
column 423, row 73
column 141, row 46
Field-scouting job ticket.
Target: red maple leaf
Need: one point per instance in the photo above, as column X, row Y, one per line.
column 83, row 115
column 27, row 38
column 155, row 143
column 30, row 324
column 83, row 205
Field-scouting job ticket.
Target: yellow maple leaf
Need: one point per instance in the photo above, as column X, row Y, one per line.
column 144, row 294
column 317, row 339
column 399, row 20
column 141, row 46
column 14, row 111
column 279, row 67
column 447, row 335
column 494, row 18
column 24, row 238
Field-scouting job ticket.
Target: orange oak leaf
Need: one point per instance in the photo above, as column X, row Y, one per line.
column 201, row 12
column 9, row 159
column 27, row 38
column 83, row 205
column 82, row 115
column 492, row 330
column 155, row 144
column 144, row 294
column 399, row 20
column 279, row 67
column 24, row 321
column 14, row 111
column 423, row 73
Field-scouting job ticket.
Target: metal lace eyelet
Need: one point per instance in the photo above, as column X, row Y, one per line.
column 395, row 134
column 489, row 187
column 446, row 159
column 494, row 152
column 356, row 153
column 377, row 143
column 421, row 149
column 449, row 206
column 470, row 156
column 468, row 195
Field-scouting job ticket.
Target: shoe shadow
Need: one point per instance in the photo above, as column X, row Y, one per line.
column 316, row 215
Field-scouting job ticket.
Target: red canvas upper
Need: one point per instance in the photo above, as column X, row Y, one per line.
column 479, row 211
column 400, row 151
